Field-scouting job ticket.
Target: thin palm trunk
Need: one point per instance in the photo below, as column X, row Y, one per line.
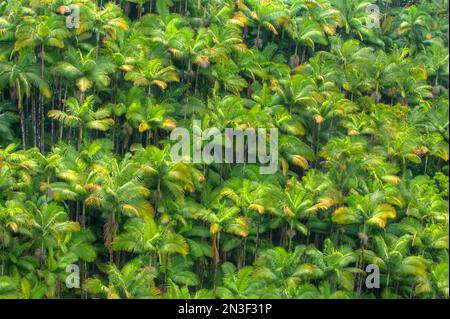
column 33, row 121
column 22, row 118
column 41, row 105
column 257, row 236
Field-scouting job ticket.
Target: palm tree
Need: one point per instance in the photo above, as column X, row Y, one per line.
column 300, row 91
column 41, row 32
column 20, row 288
column 83, row 116
column 266, row 14
column 21, row 76
column 72, row 175
column 117, row 189
column 20, row 165
column 277, row 268
column 414, row 23
column 106, row 23
column 143, row 236
column 85, row 70
column 221, row 218
column 353, row 17
column 436, row 63
column 307, row 33
column 134, row 280
column 152, row 72
column 167, row 179
column 238, row 284
column 51, row 223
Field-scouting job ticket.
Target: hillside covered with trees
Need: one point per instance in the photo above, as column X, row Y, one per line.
column 87, row 181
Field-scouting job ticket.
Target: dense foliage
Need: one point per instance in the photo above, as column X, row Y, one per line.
column 86, row 177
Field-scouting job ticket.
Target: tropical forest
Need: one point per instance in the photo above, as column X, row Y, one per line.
column 93, row 206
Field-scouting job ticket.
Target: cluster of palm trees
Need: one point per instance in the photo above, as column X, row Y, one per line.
column 86, row 176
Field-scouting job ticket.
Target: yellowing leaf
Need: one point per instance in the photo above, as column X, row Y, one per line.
column 240, row 19
column 318, row 118
column 413, row 158
column 161, row 84
column 46, row 92
column 419, row 73
column 271, row 27
column 126, row 67
column 345, row 215
column 130, row 209
column 259, row 208
column 240, row 226
column 323, row 204
column 391, row 179
column 284, row 167
column 382, row 213
column 395, row 200
column 169, row 123
column 120, row 23
column 143, row 127
column 329, row 29
column 214, row 229
column 300, row 161
column 288, row 212
column 13, row 226
column 347, row 86
column 240, row 47
column 84, row 84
